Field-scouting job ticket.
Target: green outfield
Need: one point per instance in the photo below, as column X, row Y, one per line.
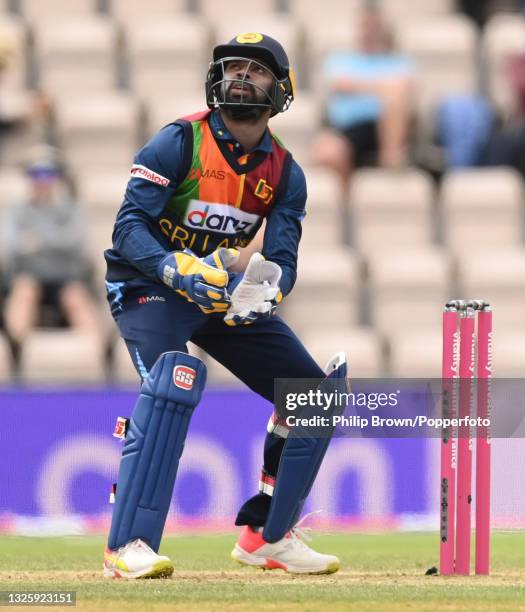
column 379, row 572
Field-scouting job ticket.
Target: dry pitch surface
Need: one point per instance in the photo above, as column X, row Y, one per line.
column 379, row 572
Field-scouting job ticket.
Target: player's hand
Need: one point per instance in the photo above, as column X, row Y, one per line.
column 267, row 309
column 200, row 280
column 256, row 293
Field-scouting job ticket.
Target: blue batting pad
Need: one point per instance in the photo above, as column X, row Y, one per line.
column 300, row 462
column 153, row 446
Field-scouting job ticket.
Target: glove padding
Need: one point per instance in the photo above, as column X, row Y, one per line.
column 200, row 280
column 257, row 294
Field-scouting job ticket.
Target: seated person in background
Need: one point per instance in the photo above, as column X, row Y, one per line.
column 24, row 114
column 507, row 143
column 44, row 258
column 368, row 105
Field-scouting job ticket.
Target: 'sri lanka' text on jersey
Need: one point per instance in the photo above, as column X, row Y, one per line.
column 221, row 201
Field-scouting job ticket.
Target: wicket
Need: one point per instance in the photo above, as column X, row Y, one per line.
column 458, row 371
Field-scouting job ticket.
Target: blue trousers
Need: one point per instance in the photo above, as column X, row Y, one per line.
column 153, row 319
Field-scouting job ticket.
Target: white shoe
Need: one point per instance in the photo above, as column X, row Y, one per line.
column 290, row 554
column 136, row 560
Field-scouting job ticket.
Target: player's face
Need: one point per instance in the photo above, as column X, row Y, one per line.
column 256, row 80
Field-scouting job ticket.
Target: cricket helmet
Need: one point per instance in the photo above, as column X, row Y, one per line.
column 261, row 49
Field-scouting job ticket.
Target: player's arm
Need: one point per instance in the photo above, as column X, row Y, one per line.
column 152, row 182
column 270, row 276
column 154, row 178
column 283, row 228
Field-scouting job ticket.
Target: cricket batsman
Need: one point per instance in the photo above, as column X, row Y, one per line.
column 198, row 189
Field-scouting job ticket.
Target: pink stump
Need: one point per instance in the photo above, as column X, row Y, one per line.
column 448, row 443
column 483, row 443
column 464, row 467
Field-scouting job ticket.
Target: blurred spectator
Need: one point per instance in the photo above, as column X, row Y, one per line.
column 516, row 73
column 481, row 10
column 464, row 124
column 24, row 115
column 45, row 261
column 507, row 145
column 368, row 106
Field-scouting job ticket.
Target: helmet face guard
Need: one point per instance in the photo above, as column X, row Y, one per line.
column 218, row 85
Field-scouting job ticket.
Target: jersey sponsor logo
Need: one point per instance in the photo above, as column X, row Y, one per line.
column 138, row 171
column 184, row 377
column 145, row 299
column 198, row 241
column 196, row 174
column 220, row 218
column 264, row 191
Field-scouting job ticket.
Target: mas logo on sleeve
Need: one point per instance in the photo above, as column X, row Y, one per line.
column 184, row 377
column 139, row 171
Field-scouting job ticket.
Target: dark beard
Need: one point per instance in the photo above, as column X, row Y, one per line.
column 241, row 111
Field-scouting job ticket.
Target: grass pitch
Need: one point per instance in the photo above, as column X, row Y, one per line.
column 379, row 572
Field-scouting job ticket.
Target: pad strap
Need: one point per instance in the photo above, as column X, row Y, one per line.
column 266, row 483
column 277, row 426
